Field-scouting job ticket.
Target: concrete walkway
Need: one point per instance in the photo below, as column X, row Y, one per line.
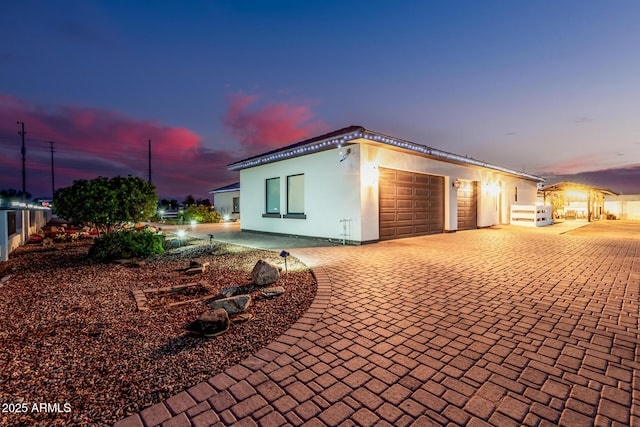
column 500, row 327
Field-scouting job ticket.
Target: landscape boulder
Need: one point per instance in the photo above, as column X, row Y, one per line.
column 210, row 324
column 264, row 273
column 233, row 305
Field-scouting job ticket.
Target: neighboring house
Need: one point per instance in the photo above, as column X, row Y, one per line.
column 17, row 222
column 623, row 206
column 226, row 200
column 360, row 186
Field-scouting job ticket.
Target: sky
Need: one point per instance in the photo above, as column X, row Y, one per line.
column 547, row 87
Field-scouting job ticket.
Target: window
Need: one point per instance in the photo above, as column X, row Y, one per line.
column 11, row 223
column 273, row 196
column 236, row 205
column 295, row 194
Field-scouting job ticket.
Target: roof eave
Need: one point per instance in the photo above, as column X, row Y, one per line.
column 347, row 137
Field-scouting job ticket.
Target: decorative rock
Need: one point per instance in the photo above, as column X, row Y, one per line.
column 211, row 323
column 272, row 292
column 264, row 273
column 229, row 292
column 232, row 305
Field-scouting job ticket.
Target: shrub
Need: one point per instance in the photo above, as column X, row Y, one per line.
column 201, row 214
column 126, row 244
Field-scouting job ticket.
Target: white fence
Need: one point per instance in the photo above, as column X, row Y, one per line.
column 531, row 215
column 17, row 222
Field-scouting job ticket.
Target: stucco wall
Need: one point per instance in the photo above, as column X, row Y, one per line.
column 496, row 191
column 223, row 203
column 334, row 191
column 625, row 207
column 331, row 193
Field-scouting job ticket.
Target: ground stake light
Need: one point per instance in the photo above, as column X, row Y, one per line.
column 285, row 254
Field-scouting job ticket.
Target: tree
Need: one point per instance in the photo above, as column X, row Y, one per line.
column 106, row 203
column 189, row 200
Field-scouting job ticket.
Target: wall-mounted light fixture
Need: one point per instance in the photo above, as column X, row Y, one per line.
column 344, row 155
column 456, row 183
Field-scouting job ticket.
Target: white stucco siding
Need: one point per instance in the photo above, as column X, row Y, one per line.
column 223, row 203
column 494, row 199
column 331, row 193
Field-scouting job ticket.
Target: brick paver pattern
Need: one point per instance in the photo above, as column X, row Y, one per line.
column 501, row 327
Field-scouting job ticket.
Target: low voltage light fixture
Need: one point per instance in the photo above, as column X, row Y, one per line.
column 285, row 254
column 211, row 236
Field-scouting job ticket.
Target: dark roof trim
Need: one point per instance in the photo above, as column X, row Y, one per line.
column 346, row 135
column 227, row 188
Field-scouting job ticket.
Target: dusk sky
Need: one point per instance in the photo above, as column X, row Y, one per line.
column 548, row 87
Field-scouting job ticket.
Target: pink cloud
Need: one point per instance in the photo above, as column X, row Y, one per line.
column 92, row 142
column 263, row 127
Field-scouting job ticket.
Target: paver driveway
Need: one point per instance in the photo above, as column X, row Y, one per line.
column 499, row 327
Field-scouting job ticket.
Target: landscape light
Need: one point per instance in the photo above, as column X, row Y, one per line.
column 181, row 234
column 193, row 223
column 285, row 254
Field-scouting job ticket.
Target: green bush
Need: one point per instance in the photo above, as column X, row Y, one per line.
column 201, row 214
column 126, row 244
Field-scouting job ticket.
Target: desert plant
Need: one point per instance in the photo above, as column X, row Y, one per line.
column 126, row 244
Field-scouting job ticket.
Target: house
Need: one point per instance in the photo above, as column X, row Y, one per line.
column 226, row 200
column 18, row 220
column 360, row 186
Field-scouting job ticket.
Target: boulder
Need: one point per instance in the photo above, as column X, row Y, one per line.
column 272, row 292
column 211, row 323
column 229, row 292
column 232, row 305
column 264, row 273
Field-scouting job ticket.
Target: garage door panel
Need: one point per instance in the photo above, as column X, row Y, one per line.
column 467, row 202
column 404, row 204
column 411, row 204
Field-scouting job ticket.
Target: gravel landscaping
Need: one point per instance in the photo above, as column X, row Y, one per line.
column 75, row 350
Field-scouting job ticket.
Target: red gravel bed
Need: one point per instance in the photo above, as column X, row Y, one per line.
column 71, row 334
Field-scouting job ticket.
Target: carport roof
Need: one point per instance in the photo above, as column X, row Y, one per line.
column 565, row 185
column 356, row 134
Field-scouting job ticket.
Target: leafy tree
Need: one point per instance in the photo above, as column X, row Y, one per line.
column 106, row 203
column 169, row 204
column 203, row 202
column 189, row 200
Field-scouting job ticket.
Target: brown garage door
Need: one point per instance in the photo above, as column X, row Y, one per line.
column 411, row 204
column 468, row 205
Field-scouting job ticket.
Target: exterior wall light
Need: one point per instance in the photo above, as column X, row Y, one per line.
column 456, row 183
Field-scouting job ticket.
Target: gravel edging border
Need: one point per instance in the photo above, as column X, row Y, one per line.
column 181, row 407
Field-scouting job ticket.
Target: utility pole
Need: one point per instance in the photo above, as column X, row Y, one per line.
column 149, row 161
column 24, row 174
column 53, row 182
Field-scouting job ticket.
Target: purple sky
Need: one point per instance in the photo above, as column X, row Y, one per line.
column 548, row 87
